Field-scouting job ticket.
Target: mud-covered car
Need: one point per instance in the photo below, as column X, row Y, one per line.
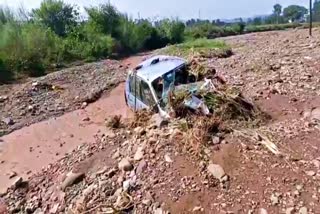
column 149, row 84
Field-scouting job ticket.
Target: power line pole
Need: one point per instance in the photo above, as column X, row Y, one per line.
column 310, row 27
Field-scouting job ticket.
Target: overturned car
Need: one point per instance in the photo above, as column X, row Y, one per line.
column 150, row 84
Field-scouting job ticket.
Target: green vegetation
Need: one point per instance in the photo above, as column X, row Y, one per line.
column 53, row 35
column 206, row 47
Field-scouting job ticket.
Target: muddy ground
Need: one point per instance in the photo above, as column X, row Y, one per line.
column 147, row 170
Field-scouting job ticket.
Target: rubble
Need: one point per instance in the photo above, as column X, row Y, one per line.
column 54, row 94
column 147, row 166
column 125, row 165
column 71, row 178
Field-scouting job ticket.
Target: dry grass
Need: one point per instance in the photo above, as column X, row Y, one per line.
column 115, row 122
column 141, row 118
column 199, row 133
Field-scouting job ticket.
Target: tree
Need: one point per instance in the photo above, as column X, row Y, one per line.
column 257, row 21
column 295, row 12
column 105, row 19
column 57, row 15
column 316, row 11
column 277, row 10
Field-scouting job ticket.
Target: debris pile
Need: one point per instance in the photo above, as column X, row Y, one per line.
column 57, row 93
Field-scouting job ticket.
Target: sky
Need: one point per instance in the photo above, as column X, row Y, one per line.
column 184, row 9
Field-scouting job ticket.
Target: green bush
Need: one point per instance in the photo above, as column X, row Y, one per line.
column 27, row 49
column 84, row 43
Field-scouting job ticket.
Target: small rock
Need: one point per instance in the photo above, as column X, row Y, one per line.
column 116, row 155
column 274, row 199
column 315, row 114
column 3, row 207
column 141, row 167
column 311, row 173
column 299, row 187
column 30, row 108
column 147, row 202
column 316, row 163
column 86, row 119
column 17, row 182
column 125, row 165
column 84, row 105
column 215, row 140
column 290, row 210
column 140, row 131
column 168, row 159
column 158, row 121
column 139, row 154
column 9, row 121
column 197, row 209
column 72, row 178
column 126, row 185
column 54, row 209
column 303, row 210
column 216, row 170
column 12, row 175
column 3, row 98
column 160, row 211
column 263, row 211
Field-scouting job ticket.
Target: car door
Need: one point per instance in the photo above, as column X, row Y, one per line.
column 134, row 95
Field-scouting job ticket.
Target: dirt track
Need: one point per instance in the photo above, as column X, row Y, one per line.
column 280, row 71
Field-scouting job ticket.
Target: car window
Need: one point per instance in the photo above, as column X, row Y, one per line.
column 146, row 94
column 134, row 86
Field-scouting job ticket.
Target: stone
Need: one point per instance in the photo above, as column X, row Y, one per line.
column 84, row 105
column 311, row 173
column 290, row 210
column 17, row 182
column 54, row 209
column 8, row 121
column 315, row 114
column 316, row 163
column 125, row 165
column 303, row 210
column 139, row 154
column 86, row 119
column 3, row 207
column 12, row 175
column 215, row 140
column 141, row 167
column 263, row 211
column 126, row 185
column 216, row 170
column 3, row 98
column 197, row 209
column 71, row 179
column 168, row 159
column 147, row 202
column 158, row 121
column 140, row 131
column 116, row 155
column 274, row 199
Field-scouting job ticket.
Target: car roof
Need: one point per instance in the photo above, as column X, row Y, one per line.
column 150, row 69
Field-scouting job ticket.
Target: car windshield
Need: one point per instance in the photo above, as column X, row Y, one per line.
column 165, row 83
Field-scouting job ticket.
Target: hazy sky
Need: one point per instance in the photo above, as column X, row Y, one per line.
column 184, row 9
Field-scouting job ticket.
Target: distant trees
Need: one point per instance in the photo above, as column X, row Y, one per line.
column 316, row 11
column 277, row 10
column 294, row 13
column 57, row 15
